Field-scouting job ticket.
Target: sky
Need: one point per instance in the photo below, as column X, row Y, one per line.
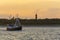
column 28, row 8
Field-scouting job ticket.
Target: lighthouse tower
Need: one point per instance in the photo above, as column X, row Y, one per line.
column 36, row 16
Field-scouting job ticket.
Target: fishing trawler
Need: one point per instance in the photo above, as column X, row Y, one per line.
column 16, row 26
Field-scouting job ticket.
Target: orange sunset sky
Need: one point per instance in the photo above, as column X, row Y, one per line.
column 28, row 8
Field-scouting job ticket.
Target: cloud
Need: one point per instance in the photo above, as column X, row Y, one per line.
column 54, row 10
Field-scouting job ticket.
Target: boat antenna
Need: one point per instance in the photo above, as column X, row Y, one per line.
column 10, row 16
column 17, row 15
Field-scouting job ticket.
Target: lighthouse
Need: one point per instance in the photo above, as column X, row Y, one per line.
column 36, row 16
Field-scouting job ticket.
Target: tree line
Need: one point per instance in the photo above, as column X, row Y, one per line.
column 31, row 21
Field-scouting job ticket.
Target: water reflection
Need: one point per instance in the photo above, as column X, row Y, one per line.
column 31, row 33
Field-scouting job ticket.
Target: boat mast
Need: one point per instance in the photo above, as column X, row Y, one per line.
column 17, row 21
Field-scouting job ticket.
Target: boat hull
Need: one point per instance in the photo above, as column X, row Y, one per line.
column 13, row 29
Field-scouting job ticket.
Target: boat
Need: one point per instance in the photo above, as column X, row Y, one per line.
column 16, row 26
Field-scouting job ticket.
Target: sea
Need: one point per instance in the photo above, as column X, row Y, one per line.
column 31, row 33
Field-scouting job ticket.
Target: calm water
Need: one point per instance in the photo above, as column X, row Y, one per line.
column 31, row 33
